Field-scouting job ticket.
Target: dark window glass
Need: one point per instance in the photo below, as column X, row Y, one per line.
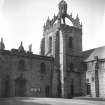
column 70, row 42
column 50, row 43
column 42, row 67
column 84, row 66
column 21, row 65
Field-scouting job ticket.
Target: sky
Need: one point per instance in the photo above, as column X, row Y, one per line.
column 23, row 20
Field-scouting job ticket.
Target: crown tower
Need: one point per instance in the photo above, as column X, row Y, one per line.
column 64, row 43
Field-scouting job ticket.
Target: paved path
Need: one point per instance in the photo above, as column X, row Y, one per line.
column 48, row 101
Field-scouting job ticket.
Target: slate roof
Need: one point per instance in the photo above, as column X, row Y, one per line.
column 90, row 54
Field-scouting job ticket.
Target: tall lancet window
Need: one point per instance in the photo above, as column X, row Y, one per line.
column 50, row 44
column 70, row 42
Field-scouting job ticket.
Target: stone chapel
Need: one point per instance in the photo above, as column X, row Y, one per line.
column 62, row 69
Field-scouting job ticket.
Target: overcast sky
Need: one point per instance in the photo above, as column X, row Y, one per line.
column 22, row 20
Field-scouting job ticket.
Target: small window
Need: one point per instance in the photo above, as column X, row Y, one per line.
column 50, row 44
column 84, row 66
column 21, row 65
column 42, row 68
column 70, row 42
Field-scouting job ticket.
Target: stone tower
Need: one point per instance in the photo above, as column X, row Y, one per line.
column 64, row 43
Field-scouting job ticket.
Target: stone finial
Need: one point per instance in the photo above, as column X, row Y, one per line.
column 76, row 22
column 30, row 48
column 21, row 48
column 77, row 18
column 2, row 46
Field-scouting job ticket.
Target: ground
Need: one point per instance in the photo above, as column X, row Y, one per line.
column 48, row 101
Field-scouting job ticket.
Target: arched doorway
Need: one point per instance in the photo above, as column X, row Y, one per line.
column 20, row 87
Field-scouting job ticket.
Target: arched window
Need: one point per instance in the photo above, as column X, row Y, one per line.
column 42, row 68
column 50, row 44
column 70, row 42
column 21, row 65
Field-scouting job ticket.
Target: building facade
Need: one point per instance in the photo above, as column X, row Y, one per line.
column 95, row 75
column 24, row 74
column 61, row 70
column 64, row 43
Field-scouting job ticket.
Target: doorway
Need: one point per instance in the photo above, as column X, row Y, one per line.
column 20, row 87
column 71, row 90
column 6, row 87
column 47, row 91
column 88, row 89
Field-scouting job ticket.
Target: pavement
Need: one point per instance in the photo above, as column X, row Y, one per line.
column 48, row 101
column 90, row 98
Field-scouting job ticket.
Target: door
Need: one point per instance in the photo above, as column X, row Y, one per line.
column 20, row 87
column 47, row 91
column 70, row 93
column 6, row 87
column 88, row 89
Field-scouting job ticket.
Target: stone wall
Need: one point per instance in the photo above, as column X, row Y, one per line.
column 37, row 82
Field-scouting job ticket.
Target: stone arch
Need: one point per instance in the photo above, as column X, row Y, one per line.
column 70, row 18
